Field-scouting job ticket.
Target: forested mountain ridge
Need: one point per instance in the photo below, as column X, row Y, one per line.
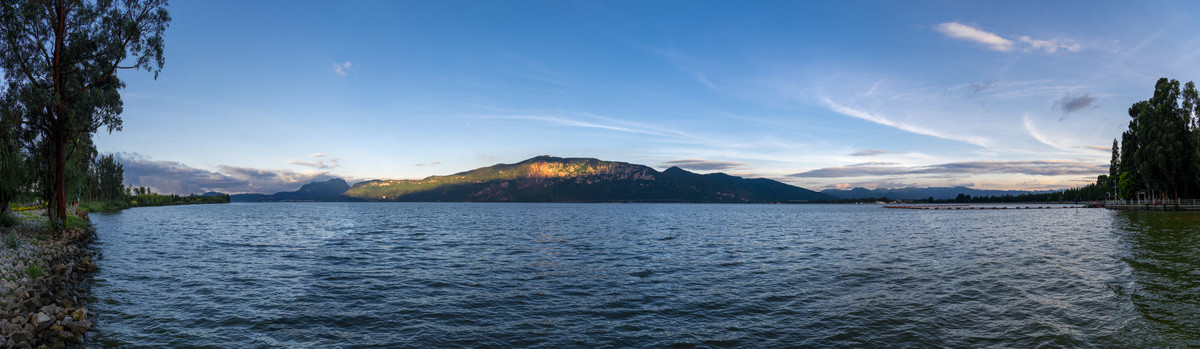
column 554, row 179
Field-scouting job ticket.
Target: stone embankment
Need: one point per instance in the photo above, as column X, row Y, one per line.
column 44, row 280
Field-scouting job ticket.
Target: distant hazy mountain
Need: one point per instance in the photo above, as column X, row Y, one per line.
column 940, row 193
column 552, row 179
column 329, row 190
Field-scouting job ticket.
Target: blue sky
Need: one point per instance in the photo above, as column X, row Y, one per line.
column 267, row 95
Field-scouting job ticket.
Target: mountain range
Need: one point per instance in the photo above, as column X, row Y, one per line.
column 554, row 179
column 330, row 190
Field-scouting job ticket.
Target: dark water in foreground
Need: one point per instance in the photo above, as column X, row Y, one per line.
column 622, row 275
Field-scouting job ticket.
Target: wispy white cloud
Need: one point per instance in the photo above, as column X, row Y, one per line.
column 996, row 42
column 698, row 75
column 874, row 88
column 879, row 119
column 588, row 120
column 342, row 69
column 1050, row 46
column 965, row 32
column 1057, row 143
column 580, row 123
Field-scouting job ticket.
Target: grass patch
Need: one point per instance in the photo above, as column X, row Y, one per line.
column 70, row 222
column 34, row 271
column 104, row 206
column 75, row 222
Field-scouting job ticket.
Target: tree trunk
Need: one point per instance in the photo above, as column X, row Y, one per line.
column 60, row 118
column 60, row 177
column 4, row 200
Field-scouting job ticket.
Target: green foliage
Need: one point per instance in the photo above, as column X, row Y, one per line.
column 1159, row 151
column 61, row 69
column 150, row 199
column 1127, row 187
column 104, row 206
column 34, row 271
column 12, row 161
column 165, row 200
column 8, row 220
column 75, row 222
column 110, row 176
column 70, row 222
column 1114, row 164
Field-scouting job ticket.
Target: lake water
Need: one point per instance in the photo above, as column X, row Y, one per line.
column 643, row 275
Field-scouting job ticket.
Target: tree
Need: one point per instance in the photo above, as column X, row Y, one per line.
column 1159, row 150
column 1114, row 164
column 61, row 59
column 12, row 169
column 109, row 176
column 1127, row 187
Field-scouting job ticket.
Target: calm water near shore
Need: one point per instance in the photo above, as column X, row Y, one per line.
column 643, row 275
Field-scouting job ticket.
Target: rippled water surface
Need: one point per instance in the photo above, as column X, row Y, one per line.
column 633, row 275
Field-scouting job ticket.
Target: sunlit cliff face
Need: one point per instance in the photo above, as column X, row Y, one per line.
column 543, row 169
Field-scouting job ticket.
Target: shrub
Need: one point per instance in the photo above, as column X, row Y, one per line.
column 34, row 271
column 11, row 241
column 9, row 220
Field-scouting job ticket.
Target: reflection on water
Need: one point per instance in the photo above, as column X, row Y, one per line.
column 1163, row 252
column 634, row 275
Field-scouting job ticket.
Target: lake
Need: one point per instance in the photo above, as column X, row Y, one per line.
column 643, row 275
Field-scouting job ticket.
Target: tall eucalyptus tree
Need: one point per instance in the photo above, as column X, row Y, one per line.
column 60, row 60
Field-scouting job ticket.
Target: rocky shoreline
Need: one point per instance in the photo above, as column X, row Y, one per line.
column 44, row 284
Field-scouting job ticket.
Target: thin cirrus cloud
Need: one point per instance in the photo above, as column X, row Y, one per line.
column 996, row 42
column 171, row 177
column 869, row 152
column 703, row 165
column 1033, row 131
column 1035, row 168
column 977, row 87
column 319, row 162
column 606, row 123
column 879, row 119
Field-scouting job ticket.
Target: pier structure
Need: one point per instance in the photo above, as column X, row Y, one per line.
column 1154, row 205
column 972, row 207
